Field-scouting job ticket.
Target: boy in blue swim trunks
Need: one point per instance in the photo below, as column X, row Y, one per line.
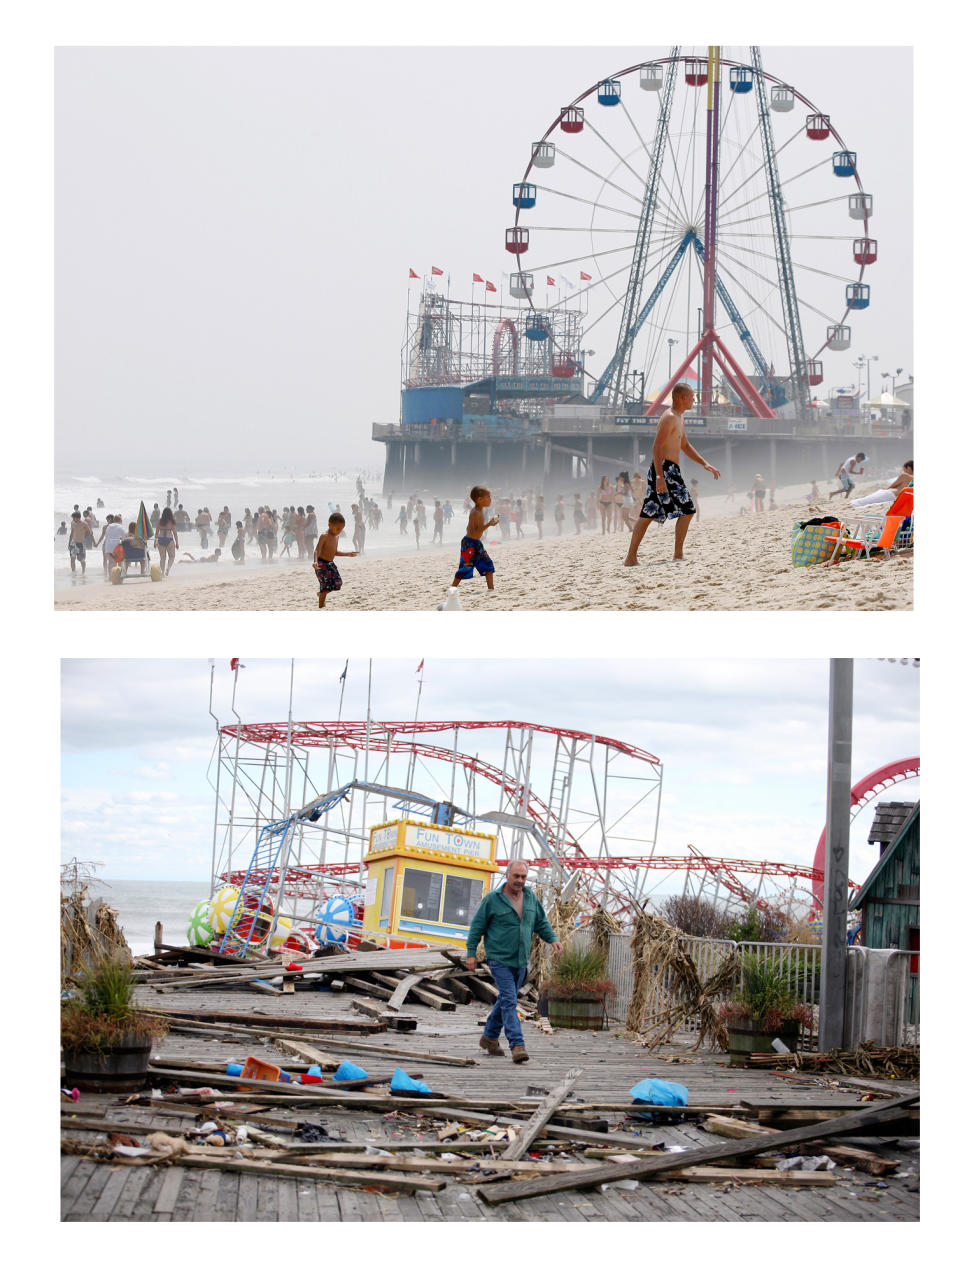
column 667, row 497
column 328, row 575
column 473, row 554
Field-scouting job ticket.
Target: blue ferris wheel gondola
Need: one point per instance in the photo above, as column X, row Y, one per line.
column 858, row 295
column 844, row 163
column 741, row 79
column 524, row 196
column 537, row 328
column 608, row 94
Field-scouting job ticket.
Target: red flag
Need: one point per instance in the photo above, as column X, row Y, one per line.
column 585, row 277
column 414, row 275
column 477, row 277
column 419, row 668
column 235, row 663
column 551, row 281
column 491, row 287
column 437, row 273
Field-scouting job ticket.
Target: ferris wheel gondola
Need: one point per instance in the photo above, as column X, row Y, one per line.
column 694, row 206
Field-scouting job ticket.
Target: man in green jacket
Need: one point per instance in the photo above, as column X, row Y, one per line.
column 507, row 920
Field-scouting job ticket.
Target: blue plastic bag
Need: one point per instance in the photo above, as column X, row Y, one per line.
column 349, row 1071
column 658, row 1093
column 402, row 1083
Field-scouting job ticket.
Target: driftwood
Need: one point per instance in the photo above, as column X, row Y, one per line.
column 645, row 1169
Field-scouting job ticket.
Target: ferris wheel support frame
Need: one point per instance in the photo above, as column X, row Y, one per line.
column 638, row 265
column 781, row 242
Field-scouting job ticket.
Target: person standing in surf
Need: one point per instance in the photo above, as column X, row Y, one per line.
column 667, row 496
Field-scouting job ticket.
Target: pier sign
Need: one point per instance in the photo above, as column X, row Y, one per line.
column 536, row 386
column 434, row 838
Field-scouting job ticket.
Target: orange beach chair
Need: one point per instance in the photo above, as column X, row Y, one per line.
column 863, row 536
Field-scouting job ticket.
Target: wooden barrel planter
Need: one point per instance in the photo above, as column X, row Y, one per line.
column 746, row 1037
column 580, row 1013
column 122, row 1068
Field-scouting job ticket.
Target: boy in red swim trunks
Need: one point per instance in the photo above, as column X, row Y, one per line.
column 473, row 554
column 328, row 575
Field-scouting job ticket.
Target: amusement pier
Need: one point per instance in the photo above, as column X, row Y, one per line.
column 690, row 219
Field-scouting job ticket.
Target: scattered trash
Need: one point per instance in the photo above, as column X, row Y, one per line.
column 806, row 1163
column 349, row 1071
column 402, row 1083
column 657, row 1093
column 315, row 1132
column 778, row 1045
column 70, row 1094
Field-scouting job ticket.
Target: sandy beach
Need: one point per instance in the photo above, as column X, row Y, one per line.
column 733, row 562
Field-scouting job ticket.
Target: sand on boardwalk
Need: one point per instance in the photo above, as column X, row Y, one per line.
column 733, row 562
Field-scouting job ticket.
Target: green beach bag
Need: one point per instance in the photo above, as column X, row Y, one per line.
column 810, row 545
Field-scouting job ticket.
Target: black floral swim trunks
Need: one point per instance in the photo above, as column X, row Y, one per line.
column 328, row 575
column 675, row 502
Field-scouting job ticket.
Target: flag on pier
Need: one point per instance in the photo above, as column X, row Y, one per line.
column 414, row 275
column 491, row 287
column 477, row 277
column 585, row 277
column 437, row 273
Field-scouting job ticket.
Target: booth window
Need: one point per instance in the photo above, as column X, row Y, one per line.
column 421, row 894
column 461, row 898
column 386, row 897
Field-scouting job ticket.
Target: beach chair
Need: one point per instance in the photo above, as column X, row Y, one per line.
column 875, row 530
column 134, row 554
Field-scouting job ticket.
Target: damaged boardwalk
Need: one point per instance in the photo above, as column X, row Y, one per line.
column 427, row 1180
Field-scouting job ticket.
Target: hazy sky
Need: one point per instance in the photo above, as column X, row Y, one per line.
column 743, row 743
column 234, row 229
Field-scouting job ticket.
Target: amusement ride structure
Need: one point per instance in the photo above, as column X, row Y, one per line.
column 297, row 803
column 693, row 217
column 701, row 200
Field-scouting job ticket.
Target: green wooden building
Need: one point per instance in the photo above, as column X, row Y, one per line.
column 889, row 899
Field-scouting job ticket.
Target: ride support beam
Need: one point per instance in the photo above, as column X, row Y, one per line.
column 711, row 194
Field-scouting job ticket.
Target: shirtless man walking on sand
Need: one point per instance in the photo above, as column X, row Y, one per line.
column 667, row 496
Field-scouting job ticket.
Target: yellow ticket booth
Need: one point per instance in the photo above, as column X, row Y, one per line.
column 425, row 882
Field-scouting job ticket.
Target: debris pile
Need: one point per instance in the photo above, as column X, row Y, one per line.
column 663, row 970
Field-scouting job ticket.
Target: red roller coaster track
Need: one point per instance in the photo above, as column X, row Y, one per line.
column 386, row 737
column 383, row 738
column 862, row 793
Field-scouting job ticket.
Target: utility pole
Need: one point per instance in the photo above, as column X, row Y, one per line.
column 837, row 856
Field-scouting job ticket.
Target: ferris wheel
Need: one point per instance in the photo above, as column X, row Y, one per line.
column 701, row 211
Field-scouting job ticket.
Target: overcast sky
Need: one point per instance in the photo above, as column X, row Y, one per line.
column 743, row 743
column 235, row 226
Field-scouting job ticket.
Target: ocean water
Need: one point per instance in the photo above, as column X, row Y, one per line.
column 141, row 904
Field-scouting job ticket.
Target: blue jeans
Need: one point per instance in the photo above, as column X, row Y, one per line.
column 509, row 980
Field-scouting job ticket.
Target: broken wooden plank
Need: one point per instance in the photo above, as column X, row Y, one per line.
column 328, row 1175
column 363, row 984
column 648, row 1168
column 724, row 1126
column 274, row 1020
column 542, row 1114
column 394, row 1021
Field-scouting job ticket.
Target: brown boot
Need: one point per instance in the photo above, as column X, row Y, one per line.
column 492, row 1047
column 520, row 1054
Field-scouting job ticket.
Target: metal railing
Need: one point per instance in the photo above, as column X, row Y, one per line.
column 885, row 991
